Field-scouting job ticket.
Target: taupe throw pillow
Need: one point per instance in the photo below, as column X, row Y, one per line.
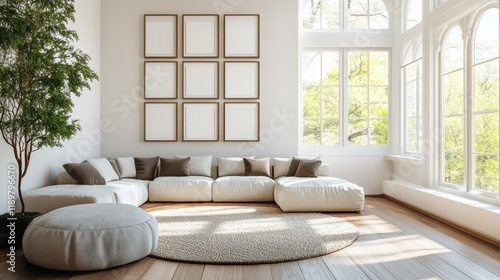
column 146, row 168
column 256, row 167
column 293, row 166
column 308, row 168
column 115, row 167
column 174, row 166
column 84, row 173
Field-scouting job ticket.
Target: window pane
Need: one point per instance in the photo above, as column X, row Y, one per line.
column 411, row 99
column 331, row 102
column 358, row 68
column 379, row 18
column 357, row 14
column 379, row 68
column 413, row 13
column 357, row 131
column 453, row 51
column 486, row 39
column 358, row 102
column 453, row 90
column 311, row 68
column 486, row 95
column 454, row 168
column 454, row 134
column 321, row 14
column 311, row 100
column 411, row 134
column 331, row 132
column 487, row 173
column 312, row 131
column 379, row 132
column 379, row 106
column 486, row 133
column 331, row 68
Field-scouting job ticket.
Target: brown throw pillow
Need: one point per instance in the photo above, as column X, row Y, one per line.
column 115, row 167
column 293, row 166
column 84, row 173
column 308, row 168
column 256, row 167
column 146, row 167
column 174, row 166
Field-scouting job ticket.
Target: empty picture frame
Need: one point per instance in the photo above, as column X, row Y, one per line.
column 200, row 36
column 160, row 122
column 241, row 80
column 160, row 36
column 242, row 36
column 160, row 80
column 200, row 121
column 241, row 121
column 200, row 79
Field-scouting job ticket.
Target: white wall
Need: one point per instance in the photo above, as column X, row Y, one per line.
column 122, row 78
column 47, row 163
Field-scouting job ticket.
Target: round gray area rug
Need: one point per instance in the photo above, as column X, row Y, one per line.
column 247, row 235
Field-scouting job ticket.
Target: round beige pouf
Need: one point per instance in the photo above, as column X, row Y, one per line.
column 90, row 237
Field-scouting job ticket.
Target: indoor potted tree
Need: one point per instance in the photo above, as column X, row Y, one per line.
column 40, row 71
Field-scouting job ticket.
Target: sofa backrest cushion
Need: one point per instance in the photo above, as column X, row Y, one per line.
column 231, row 166
column 126, row 165
column 199, row 165
column 105, row 169
column 281, row 167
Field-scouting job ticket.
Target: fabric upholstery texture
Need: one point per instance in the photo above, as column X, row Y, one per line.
column 174, row 166
column 86, row 237
column 308, row 168
column 126, row 166
column 199, row 165
column 84, row 173
column 115, row 167
column 322, row 194
column 243, row 189
column 257, row 167
column 105, row 168
column 146, row 167
column 181, row 189
column 231, row 166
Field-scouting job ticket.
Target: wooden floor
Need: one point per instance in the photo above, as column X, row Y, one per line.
column 394, row 243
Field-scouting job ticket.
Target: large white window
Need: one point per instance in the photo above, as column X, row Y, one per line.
column 344, row 15
column 470, row 108
column 345, row 97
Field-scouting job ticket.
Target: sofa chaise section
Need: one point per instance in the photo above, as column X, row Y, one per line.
column 321, row 194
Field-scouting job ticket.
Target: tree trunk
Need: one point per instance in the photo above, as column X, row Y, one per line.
column 19, row 185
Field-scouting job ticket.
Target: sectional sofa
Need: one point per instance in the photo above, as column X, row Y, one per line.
column 295, row 184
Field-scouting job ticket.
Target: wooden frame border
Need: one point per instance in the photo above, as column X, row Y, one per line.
column 173, row 123
column 240, row 125
column 185, row 123
column 215, row 39
column 174, row 46
column 240, row 37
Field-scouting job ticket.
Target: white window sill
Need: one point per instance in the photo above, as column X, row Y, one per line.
column 404, row 159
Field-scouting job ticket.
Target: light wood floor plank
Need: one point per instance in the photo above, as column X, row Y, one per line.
column 315, row 268
column 343, row 267
column 161, row 269
column 287, row 271
column 189, row 271
column 257, row 272
column 222, row 272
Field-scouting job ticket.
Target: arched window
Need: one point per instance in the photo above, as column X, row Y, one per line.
column 367, row 14
column 413, row 13
column 452, row 170
column 321, row 14
column 486, row 103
